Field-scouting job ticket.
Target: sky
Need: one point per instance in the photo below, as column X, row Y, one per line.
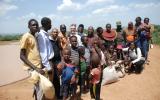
column 15, row 14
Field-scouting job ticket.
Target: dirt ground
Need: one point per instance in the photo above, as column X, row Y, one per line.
column 144, row 86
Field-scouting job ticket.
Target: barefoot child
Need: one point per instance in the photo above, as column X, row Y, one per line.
column 68, row 78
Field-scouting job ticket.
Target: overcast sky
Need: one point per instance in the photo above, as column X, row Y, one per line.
column 14, row 14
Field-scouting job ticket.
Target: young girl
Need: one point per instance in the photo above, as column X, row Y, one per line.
column 68, row 75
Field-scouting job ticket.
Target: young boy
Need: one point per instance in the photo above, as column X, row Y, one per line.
column 69, row 72
column 83, row 67
column 87, row 54
column 29, row 54
column 96, row 71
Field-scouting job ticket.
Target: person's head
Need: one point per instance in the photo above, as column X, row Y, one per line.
column 138, row 20
column 119, row 25
column 46, row 23
column 73, row 28
column 33, row 26
column 146, row 20
column 111, row 48
column 96, row 42
column 130, row 25
column 84, row 40
column 81, row 28
column 99, row 31
column 73, row 41
column 63, row 28
column 132, row 45
column 66, row 54
column 54, row 33
column 108, row 27
column 81, row 50
column 90, row 30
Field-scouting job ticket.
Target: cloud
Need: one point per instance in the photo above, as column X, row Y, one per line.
column 144, row 5
column 99, row 1
column 6, row 6
column 29, row 16
column 69, row 5
column 110, row 9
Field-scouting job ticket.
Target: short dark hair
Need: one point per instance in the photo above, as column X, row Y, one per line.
column 108, row 24
column 146, row 18
column 72, row 37
column 98, row 29
column 139, row 18
column 82, row 38
column 29, row 22
column 81, row 25
column 45, row 21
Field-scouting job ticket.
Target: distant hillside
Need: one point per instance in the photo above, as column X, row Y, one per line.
column 10, row 37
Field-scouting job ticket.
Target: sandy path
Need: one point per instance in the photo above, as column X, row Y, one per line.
column 10, row 64
column 144, row 86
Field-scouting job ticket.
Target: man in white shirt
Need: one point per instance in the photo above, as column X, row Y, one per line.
column 45, row 46
column 135, row 55
column 74, row 33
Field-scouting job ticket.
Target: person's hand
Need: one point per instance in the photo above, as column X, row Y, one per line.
column 73, row 79
column 130, row 64
column 40, row 71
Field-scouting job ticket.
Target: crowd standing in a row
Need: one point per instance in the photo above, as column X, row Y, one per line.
column 72, row 59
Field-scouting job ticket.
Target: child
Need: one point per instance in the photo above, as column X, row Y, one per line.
column 87, row 54
column 69, row 72
column 95, row 77
column 96, row 71
column 83, row 67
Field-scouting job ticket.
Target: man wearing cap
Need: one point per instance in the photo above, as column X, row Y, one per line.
column 120, row 35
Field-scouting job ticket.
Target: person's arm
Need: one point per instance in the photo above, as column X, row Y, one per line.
column 125, row 49
column 139, row 55
column 43, row 52
column 23, row 57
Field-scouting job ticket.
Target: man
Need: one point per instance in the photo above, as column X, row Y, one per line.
column 91, row 36
column 63, row 36
column 136, row 59
column 45, row 46
column 109, row 36
column 56, row 60
column 120, row 35
column 129, row 33
column 29, row 54
column 142, row 37
column 74, row 33
column 80, row 30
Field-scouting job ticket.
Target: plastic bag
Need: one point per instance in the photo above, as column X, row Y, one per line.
column 109, row 75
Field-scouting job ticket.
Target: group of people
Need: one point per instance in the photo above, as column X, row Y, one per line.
column 74, row 59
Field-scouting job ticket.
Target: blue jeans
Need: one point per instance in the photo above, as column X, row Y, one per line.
column 144, row 48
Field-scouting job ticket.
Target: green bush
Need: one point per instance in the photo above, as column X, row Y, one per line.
column 156, row 35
